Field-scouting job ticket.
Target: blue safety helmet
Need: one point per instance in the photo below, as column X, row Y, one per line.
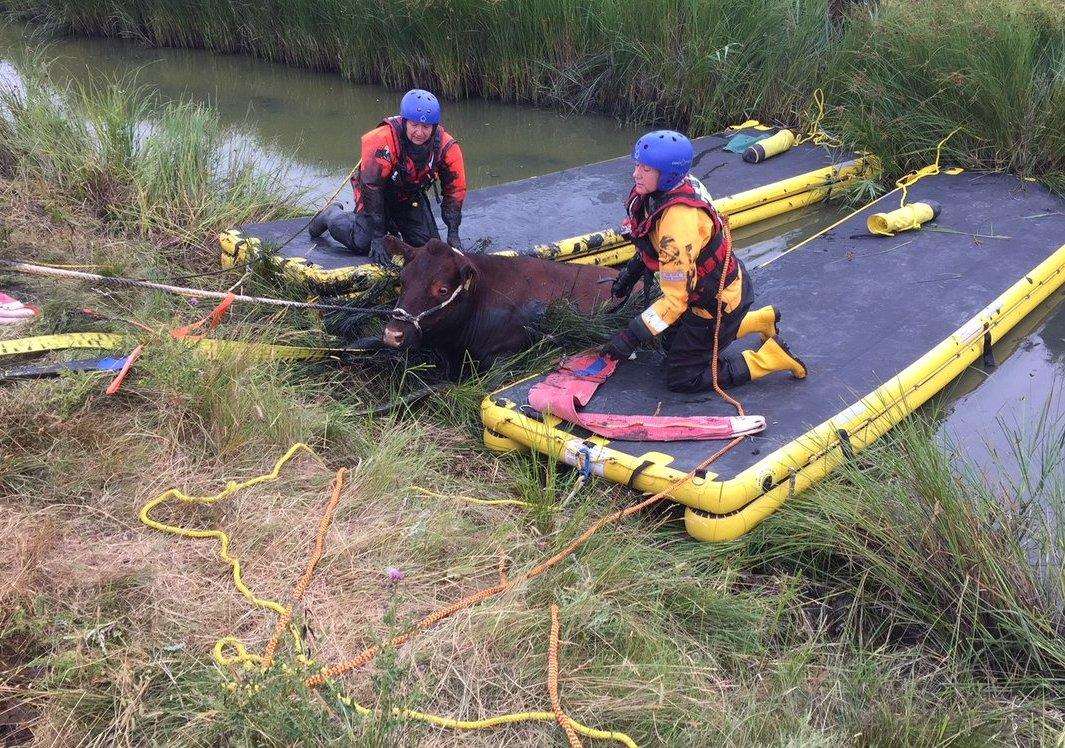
column 420, row 106
column 669, row 152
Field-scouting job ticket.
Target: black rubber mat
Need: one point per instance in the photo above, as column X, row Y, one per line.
column 857, row 309
column 520, row 215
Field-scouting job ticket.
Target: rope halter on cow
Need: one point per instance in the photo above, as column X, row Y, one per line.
column 402, row 315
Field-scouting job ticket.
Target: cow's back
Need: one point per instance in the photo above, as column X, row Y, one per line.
column 515, row 282
column 508, row 300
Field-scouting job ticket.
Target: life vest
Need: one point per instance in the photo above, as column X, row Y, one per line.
column 407, row 174
column 644, row 211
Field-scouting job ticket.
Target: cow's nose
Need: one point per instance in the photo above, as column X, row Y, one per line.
column 393, row 337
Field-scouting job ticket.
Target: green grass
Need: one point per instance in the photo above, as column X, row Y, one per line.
column 938, row 557
column 169, row 174
column 819, row 629
column 898, row 79
column 898, row 603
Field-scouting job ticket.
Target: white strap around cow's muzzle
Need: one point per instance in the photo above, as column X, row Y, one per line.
column 402, row 315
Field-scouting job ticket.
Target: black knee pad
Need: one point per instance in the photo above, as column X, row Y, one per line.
column 685, row 379
column 347, row 229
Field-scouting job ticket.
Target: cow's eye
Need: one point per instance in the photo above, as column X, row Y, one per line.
column 441, row 291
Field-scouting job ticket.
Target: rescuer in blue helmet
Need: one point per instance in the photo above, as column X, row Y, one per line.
column 401, row 157
column 679, row 234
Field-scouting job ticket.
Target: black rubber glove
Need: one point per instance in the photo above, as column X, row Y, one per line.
column 452, row 215
column 379, row 254
column 622, row 345
column 628, row 278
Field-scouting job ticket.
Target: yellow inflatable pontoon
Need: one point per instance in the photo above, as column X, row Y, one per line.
column 882, row 322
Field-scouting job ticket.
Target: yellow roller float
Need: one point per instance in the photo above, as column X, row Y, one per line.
column 908, row 217
column 774, row 145
column 882, row 360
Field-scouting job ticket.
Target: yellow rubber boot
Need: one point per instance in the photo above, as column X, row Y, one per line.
column 763, row 321
column 773, row 356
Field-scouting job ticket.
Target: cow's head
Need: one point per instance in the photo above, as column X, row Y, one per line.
column 434, row 291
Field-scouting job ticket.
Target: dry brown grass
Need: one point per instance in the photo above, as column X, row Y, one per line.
column 663, row 638
column 77, row 540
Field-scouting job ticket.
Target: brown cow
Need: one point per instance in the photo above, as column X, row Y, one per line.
column 482, row 306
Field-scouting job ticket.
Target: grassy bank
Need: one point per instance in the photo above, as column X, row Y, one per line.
column 773, row 641
column 170, row 174
column 898, row 603
column 898, row 78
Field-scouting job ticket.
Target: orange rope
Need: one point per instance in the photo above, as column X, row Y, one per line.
column 435, row 617
column 717, row 319
column 504, row 583
column 212, row 321
column 717, row 333
column 552, row 682
column 300, row 588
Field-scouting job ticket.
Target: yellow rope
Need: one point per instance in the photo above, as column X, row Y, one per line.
column 243, row 657
column 815, row 134
column 926, row 171
column 248, row 659
column 503, row 719
column 486, row 502
column 747, row 124
column 302, row 228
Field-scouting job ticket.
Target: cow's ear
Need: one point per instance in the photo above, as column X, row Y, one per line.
column 467, row 271
column 399, row 248
column 437, row 248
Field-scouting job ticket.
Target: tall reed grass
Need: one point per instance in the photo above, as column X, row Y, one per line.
column 932, row 552
column 899, row 77
column 168, row 172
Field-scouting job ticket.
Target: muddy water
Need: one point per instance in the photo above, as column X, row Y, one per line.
column 1007, row 422
column 308, row 124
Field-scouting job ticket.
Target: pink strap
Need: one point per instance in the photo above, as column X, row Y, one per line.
column 577, row 379
column 14, row 312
